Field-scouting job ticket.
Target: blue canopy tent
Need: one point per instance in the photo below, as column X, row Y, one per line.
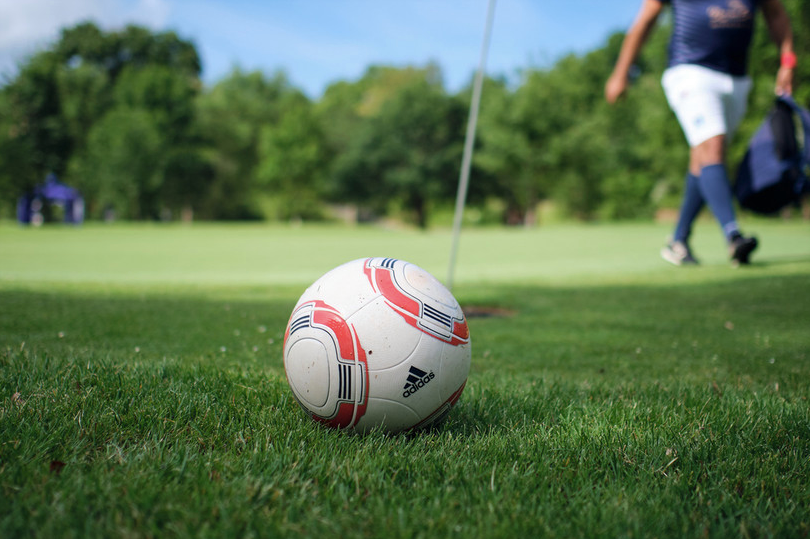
column 30, row 205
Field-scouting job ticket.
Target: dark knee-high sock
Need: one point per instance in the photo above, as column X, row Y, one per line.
column 716, row 191
column 690, row 208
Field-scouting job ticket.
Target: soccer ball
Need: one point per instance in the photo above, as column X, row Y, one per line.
column 377, row 343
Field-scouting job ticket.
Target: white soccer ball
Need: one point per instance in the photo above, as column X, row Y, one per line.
column 377, row 342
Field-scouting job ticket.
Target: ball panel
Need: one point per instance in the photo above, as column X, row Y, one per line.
column 307, row 368
column 426, row 285
column 391, row 415
column 439, row 414
column 454, row 368
column 387, row 339
column 345, row 287
column 345, row 380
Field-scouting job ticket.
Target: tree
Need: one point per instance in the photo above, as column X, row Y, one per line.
column 165, row 93
column 646, row 154
column 33, row 100
column 230, row 120
column 69, row 91
column 189, row 173
column 123, row 163
column 504, row 154
column 293, row 160
column 408, row 154
column 17, row 170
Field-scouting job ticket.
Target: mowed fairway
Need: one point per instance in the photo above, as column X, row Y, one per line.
column 142, row 392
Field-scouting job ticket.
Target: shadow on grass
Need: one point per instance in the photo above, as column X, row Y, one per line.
column 147, row 327
column 780, row 261
column 547, row 347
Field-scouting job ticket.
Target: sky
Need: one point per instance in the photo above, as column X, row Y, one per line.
column 319, row 42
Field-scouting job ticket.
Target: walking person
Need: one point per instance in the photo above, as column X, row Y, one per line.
column 707, row 86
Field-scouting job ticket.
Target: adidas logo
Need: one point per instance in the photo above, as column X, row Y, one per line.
column 417, row 378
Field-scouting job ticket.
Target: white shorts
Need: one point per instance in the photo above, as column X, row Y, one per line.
column 707, row 102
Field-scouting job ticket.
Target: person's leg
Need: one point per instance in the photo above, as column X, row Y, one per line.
column 690, row 208
column 678, row 251
column 707, row 162
column 709, row 157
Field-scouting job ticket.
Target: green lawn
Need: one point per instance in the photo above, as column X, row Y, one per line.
column 142, row 392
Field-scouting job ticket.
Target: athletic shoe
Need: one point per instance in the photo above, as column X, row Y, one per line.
column 741, row 248
column 678, row 253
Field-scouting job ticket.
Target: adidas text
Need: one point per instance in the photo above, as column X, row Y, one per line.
column 417, row 378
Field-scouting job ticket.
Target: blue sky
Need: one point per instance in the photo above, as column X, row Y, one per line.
column 317, row 42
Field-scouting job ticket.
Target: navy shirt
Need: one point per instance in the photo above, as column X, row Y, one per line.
column 712, row 33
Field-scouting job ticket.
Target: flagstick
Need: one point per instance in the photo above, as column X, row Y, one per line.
column 469, row 140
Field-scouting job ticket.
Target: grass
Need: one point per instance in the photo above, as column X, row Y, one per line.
column 142, row 392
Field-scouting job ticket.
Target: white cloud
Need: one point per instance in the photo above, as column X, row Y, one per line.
column 27, row 26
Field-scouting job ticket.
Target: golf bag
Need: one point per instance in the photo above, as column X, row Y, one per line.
column 772, row 174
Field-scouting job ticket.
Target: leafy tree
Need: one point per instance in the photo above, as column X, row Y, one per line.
column 544, row 107
column 230, row 120
column 165, row 93
column 346, row 108
column 65, row 93
column 407, row 155
column 84, row 97
column 340, row 122
column 338, row 113
column 293, row 160
column 134, row 46
column 647, row 153
column 33, row 101
column 122, row 166
column 503, row 154
column 16, row 166
column 188, row 176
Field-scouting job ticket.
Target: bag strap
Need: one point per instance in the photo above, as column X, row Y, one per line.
column 804, row 117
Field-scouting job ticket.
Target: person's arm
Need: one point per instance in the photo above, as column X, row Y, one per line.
column 779, row 26
column 633, row 41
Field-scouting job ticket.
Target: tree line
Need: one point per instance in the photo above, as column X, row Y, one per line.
column 124, row 117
